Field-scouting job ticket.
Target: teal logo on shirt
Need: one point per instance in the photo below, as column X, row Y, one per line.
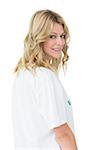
column 68, row 102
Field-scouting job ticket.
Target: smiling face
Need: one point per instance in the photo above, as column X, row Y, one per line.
column 54, row 45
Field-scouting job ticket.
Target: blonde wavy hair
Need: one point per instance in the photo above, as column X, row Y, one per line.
column 41, row 25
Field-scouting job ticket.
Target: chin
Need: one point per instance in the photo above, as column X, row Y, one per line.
column 56, row 57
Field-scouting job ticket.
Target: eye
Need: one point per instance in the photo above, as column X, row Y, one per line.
column 52, row 36
column 63, row 36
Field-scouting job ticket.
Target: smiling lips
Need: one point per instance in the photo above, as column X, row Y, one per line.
column 56, row 49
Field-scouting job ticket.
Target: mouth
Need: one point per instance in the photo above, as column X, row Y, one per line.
column 56, row 49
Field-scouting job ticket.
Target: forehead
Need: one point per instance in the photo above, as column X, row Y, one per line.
column 57, row 28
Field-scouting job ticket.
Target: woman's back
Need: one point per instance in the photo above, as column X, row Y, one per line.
column 38, row 105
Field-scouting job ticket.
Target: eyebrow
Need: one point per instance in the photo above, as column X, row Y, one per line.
column 56, row 33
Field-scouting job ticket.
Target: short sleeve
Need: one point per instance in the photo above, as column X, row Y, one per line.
column 51, row 100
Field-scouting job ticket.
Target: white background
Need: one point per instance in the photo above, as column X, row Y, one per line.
column 82, row 81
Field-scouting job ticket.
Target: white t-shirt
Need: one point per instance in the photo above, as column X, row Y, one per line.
column 39, row 103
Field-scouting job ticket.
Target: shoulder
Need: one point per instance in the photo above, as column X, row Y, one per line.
column 41, row 73
column 43, row 77
column 47, row 78
column 24, row 78
column 46, row 74
column 24, row 74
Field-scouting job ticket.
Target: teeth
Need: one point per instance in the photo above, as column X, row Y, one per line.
column 55, row 49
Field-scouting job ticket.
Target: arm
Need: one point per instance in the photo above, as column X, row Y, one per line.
column 65, row 137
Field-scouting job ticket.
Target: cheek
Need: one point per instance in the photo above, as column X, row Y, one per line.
column 63, row 42
column 63, row 45
column 47, row 45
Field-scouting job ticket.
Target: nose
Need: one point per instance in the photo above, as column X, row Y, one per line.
column 59, row 41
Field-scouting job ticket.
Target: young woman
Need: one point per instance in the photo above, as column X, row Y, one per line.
column 41, row 110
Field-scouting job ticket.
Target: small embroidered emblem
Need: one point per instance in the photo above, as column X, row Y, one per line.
column 69, row 102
